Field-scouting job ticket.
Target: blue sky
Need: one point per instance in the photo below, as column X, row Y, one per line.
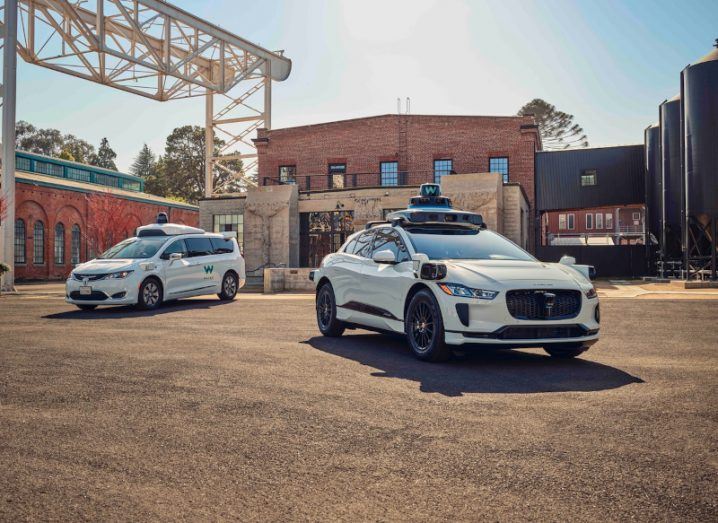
column 609, row 63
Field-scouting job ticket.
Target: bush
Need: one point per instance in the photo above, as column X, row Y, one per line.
column 4, row 268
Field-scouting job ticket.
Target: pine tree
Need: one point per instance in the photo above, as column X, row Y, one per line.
column 557, row 129
column 105, row 156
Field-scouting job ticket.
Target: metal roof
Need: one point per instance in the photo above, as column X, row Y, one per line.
column 620, row 174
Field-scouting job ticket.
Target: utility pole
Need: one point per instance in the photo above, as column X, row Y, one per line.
column 8, row 142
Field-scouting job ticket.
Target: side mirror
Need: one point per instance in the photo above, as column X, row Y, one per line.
column 567, row 260
column 385, row 256
column 175, row 256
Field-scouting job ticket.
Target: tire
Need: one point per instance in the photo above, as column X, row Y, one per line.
column 424, row 328
column 87, row 307
column 566, row 351
column 150, row 294
column 326, row 307
column 230, row 285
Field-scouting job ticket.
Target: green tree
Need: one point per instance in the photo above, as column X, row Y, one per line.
column 41, row 141
column 79, row 149
column 66, row 154
column 558, row 130
column 152, row 170
column 105, row 156
column 184, row 165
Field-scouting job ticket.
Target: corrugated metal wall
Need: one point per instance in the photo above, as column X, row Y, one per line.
column 620, row 175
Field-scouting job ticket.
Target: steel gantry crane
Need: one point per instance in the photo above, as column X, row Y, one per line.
column 146, row 47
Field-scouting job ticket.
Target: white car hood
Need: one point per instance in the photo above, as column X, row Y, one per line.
column 502, row 270
column 104, row 266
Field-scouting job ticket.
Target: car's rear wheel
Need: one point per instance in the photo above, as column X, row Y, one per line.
column 327, row 320
column 424, row 328
column 229, row 287
column 87, row 307
column 150, row 295
column 569, row 350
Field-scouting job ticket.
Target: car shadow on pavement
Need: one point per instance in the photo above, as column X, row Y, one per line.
column 480, row 371
column 131, row 312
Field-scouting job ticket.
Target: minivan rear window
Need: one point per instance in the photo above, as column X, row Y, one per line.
column 222, row 245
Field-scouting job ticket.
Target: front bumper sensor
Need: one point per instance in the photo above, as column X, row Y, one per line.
column 534, row 332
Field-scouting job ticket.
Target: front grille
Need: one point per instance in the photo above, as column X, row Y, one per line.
column 543, row 304
column 90, row 277
column 532, row 332
column 93, row 296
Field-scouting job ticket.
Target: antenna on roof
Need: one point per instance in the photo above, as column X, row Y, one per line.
column 408, row 105
column 398, row 105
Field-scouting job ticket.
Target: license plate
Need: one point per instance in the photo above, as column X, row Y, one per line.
column 85, row 290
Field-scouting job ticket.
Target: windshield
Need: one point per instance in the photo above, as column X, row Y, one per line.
column 136, row 248
column 464, row 244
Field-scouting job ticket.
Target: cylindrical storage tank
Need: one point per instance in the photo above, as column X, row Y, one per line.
column 699, row 99
column 654, row 186
column 672, row 206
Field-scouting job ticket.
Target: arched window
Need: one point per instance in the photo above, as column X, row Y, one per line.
column 20, row 241
column 75, row 247
column 59, row 244
column 38, row 243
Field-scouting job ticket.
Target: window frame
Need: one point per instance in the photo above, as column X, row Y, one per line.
column 402, row 247
column 562, row 218
column 75, row 246
column 589, row 218
column 633, row 216
column 166, row 255
column 440, row 173
column 231, row 219
column 59, row 247
column 287, row 180
column 609, row 220
column 334, row 175
column 38, row 243
column 598, row 220
column 571, row 221
column 505, row 176
column 589, row 174
column 21, row 242
column 395, row 173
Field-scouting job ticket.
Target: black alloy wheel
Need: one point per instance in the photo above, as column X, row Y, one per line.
column 424, row 328
column 327, row 312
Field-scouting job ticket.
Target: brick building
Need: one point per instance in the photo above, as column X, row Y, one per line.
column 398, row 150
column 54, row 212
column 620, row 225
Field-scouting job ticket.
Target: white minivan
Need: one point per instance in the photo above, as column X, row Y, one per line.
column 163, row 262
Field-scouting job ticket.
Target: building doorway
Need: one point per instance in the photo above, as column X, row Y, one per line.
column 321, row 233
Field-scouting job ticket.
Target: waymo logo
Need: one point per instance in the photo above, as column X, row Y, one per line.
column 208, row 269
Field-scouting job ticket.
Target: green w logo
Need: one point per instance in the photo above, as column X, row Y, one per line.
column 430, row 189
column 208, row 269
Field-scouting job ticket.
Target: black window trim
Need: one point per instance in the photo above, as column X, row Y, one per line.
column 508, row 166
column 170, row 244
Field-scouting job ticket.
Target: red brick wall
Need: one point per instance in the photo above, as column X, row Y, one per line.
column 412, row 140
column 52, row 206
column 549, row 222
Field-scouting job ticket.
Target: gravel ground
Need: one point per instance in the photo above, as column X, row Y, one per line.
column 211, row 411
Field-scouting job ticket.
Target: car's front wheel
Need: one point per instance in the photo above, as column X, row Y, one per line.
column 229, row 287
column 424, row 328
column 327, row 320
column 150, row 295
column 569, row 350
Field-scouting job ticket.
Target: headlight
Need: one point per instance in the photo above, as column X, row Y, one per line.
column 462, row 291
column 591, row 293
column 118, row 275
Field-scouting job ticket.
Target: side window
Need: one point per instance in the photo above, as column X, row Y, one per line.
column 176, row 246
column 363, row 245
column 198, row 247
column 390, row 239
column 349, row 249
column 222, row 245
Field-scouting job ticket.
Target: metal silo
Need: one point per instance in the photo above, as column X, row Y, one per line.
column 699, row 109
column 654, row 185
column 672, row 206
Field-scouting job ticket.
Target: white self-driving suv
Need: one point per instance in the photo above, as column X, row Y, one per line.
column 441, row 278
column 163, row 262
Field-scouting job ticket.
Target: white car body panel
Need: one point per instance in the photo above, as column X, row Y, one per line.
column 182, row 278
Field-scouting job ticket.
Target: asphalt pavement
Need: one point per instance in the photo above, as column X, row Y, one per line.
column 205, row 410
